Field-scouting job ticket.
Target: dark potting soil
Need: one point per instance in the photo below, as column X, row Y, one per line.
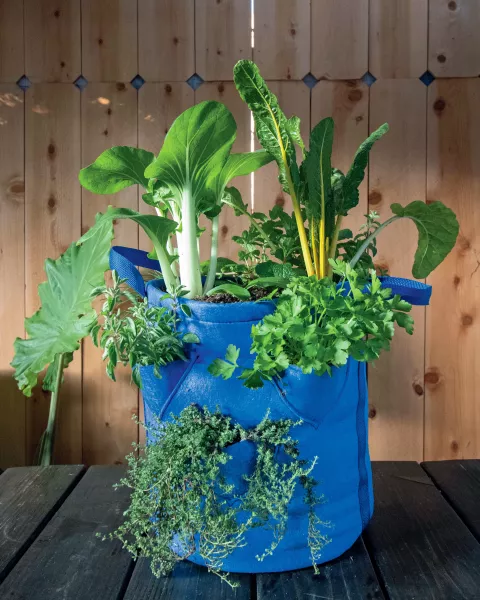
column 222, row 298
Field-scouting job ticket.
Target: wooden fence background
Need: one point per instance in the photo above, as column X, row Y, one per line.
column 425, row 56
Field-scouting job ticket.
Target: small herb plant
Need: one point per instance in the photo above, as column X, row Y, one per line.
column 182, row 502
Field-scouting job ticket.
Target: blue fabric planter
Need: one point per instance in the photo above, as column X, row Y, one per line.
column 334, row 429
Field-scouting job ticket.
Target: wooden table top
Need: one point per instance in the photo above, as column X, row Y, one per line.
column 423, row 542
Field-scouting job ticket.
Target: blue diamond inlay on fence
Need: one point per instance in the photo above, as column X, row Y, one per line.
column 137, row 82
column 195, row 81
column 81, row 82
column 427, row 78
column 24, row 83
column 369, row 79
column 310, row 80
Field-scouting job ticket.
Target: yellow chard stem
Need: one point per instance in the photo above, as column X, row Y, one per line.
column 313, row 243
column 322, row 246
column 333, row 246
column 307, row 259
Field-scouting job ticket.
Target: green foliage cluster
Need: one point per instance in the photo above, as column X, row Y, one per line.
column 181, row 500
column 136, row 334
column 317, row 325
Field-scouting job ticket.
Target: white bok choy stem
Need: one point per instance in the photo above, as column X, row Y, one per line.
column 188, row 256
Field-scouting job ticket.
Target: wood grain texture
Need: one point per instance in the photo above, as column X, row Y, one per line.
column 419, row 544
column 166, row 49
column 187, row 581
column 459, row 481
column 12, row 269
column 12, row 55
column 109, row 40
column 282, row 38
column 453, row 48
column 294, row 99
column 222, row 37
column 226, row 93
column 29, row 496
column 52, row 223
column 68, row 560
column 351, row 576
column 339, row 48
column 52, row 40
column 397, row 174
column 109, row 118
column 452, row 418
column 347, row 103
column 398, row 32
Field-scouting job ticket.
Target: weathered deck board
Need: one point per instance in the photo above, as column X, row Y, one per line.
column 459, row 481
column 188, row 581
column 67, row 560
column 419, row 544
column 351, row 576
column 29, row 496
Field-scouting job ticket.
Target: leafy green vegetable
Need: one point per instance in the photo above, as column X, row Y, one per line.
column 225, row 368
column 230, row 288
column 317, row 325
column 116, row 169
column 273, row 269
column 158, row 229
column 437, row 228
column 66, row 314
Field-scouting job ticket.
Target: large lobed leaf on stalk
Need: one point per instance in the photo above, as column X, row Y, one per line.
column 275, row 132
column 66, row 314
column 437, row 228
column 116, row 169
column 195, row 151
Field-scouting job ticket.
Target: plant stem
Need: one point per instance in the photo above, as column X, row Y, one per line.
column 212, row 269
column 333, row 247
column 48, row 438
column 189, row 261
column 307, row 259
column 370, row 239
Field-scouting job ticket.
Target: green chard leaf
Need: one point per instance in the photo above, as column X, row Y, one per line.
column 116, row 169
column 356, row 174
column 275, row 132
column 437, row 228
column 66, row 314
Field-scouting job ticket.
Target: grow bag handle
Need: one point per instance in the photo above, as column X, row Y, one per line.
column 126, row 260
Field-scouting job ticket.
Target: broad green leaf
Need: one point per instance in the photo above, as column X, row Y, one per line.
column 274, row 131
column 194, row 153
column 437, row 228
column 274, row 269
column 355, row 175
column 48, row 383
column 222, row 263
column 268, row 282
column 191, row 338
column 116, row 169
column 244, row 163
column 66, row 314
column 232, row 197
column 230, row 288
column 293, row 126
column 318, row 170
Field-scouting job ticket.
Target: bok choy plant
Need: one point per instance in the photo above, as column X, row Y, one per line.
column 188, row 178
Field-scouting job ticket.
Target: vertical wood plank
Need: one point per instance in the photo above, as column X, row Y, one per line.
column 166, row 42
column 222, row 37
column 453, row 48
column 109, row 118
column 12, row 61
column 52, row 40
column 339, row 39
column 12, row 270
column 294, row 99
column 452, row 418
column 52, row 223
column 282, row 38
column 109, row 40
column 397, row 174
column 347, row 103
column 398, row 34
column 226, row 93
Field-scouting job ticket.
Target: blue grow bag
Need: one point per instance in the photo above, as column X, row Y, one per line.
column 333, row 410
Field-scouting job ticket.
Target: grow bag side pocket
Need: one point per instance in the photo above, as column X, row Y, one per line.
column 312, row 397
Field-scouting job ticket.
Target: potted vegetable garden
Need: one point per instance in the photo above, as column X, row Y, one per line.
column 253, row 372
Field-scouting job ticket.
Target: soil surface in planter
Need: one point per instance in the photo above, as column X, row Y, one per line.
column 222, row 298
